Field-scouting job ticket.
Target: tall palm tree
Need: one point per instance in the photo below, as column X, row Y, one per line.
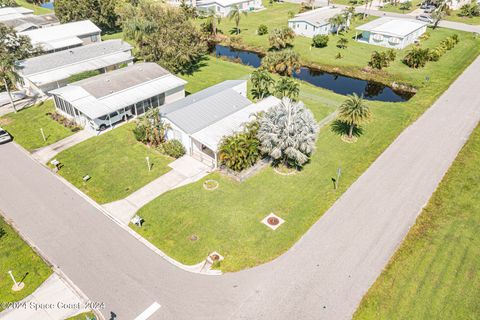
column 214, row 20
column 8, row 75
column 235, row 14
column 337, row 21
column 354, row 112
column 262, row 82
column 349, row 14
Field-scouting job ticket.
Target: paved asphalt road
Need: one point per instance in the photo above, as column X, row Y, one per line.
column 323, row 276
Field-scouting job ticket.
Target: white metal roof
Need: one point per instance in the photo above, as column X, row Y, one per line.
column 318, row 17
column 212, row 135
column 392, row 26
column 92, row 107
column 14, row 10
column 63, row 35
column 223, row 3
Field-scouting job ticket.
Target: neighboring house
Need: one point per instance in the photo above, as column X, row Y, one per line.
column 64, row 36
column 7, row 13
column 223, row 7
column 31, row 22
column 200, row 121
column 102, row 100
column 41, row 74
column 391, row 32
column 314, row 22
column 457, row 4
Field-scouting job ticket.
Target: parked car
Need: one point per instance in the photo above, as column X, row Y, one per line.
column 429, row 9
column 4, row 136
column 5, row 99
column 425, row 18
column 105, row 121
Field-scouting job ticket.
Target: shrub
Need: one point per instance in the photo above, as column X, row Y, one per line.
column 416, row 58
column 173, row 148
column 381, row 60
column 342, row 43
column 262, row 29
column 281, row 38
column 338, row 55
column 283, row 62
column 67, row 123
column 320, row 41
column 140, row 132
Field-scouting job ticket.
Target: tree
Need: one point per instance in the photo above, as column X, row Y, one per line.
column 288, row 133
column 338, row 21
column 349, row 13
column 407, row 5
column 342, row 43
column 151, row 129
column 416, row 57
column 283, row 62
column 212, row 21
column 8, row 3
column 101, row 12
column 164, row 34
column 241, row 150
column 262, row 29
column 235, row 14
column 470, row 10
column 262, row 82
column 320, row 41
column 440, row 12
column 13, row 47
column 287, row 87
column 381, row 60
column 354, row 112
column 281, row 38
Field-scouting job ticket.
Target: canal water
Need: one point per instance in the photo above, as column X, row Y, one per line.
column 337, row 83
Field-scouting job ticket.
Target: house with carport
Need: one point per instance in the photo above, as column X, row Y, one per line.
column 393, row 33
column 64, row 36
column 223, row 7
column 315, row 22
column 39, row 75
column 200, row 121
column 101, row 101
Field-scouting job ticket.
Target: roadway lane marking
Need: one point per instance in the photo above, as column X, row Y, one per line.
column 148, row 312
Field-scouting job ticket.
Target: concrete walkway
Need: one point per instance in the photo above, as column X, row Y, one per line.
column 46, row 153
column 185, row 170
column 64, row 303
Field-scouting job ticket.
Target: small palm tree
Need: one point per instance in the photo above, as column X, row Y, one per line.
column 262, row 82
column 337, row 21
column 287, row 87
column 235, row 14
column 8, row 75
column 354, row 112
column 213, row 19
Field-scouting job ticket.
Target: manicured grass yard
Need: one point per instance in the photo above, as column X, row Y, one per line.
column 82, row 316
column 468, row 20
column 17, row 256
column 391, row 8
column 435, row 274
column 36, row 9
column 228, row 219
column 25, row 126
column 116, row 163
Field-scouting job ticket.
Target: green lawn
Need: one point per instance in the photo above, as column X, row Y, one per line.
column 435, row 273
column 355, row 56
column 116, row 163
column 25, row 126
column 17, row 256
column 455, row 17
column 36, row 9
column 391, row 8
column 82, row 316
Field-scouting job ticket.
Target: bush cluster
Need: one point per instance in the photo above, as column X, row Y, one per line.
column 446, row 44
column 67, row 123
column 320, row 41
column 262, row 29
column 172, row 148
column 418, row 57
column 381, row 60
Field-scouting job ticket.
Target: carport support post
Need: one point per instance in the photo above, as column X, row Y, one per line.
column 43, row 135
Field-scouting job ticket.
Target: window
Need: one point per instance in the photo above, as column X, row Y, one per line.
column 113, row 114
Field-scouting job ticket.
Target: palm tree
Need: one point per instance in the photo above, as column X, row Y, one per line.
column 239, row 151
column 349, row 14
column 287, row 87
column 213, row 19
column 284, row 62
column 354, row 112
column 8, row 75
column 366, row 8
column 337, row 21
column 262, row 82
column 288, row 133
column 236, row 14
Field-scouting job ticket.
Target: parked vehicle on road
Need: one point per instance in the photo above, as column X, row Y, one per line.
column 108, row 120
column 429, row 9
column 5, row 99
column 4, row 136
column 425, row 18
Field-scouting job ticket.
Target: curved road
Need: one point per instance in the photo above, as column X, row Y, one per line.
column 324, row 275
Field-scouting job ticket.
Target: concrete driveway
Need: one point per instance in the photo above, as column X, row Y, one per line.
column 323, row 276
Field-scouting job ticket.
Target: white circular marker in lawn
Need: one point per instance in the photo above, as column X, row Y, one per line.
column 210, row 185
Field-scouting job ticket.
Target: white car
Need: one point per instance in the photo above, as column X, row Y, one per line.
column 5, row 99
column 105, row 121
column 4, row 136
column 425, row 18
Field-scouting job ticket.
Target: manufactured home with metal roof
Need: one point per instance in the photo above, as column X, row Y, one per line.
column 200, row 121
column 47, row 72
column 315, row 22
column 102, row 100
column 30, row 22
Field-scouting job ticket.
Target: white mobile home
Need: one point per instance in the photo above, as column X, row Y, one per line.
column 64, row 36
column 223, row 7
column 102, row 100
column 200, row 121
column 392, row 32
column 51, row 71
column 312, row 23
